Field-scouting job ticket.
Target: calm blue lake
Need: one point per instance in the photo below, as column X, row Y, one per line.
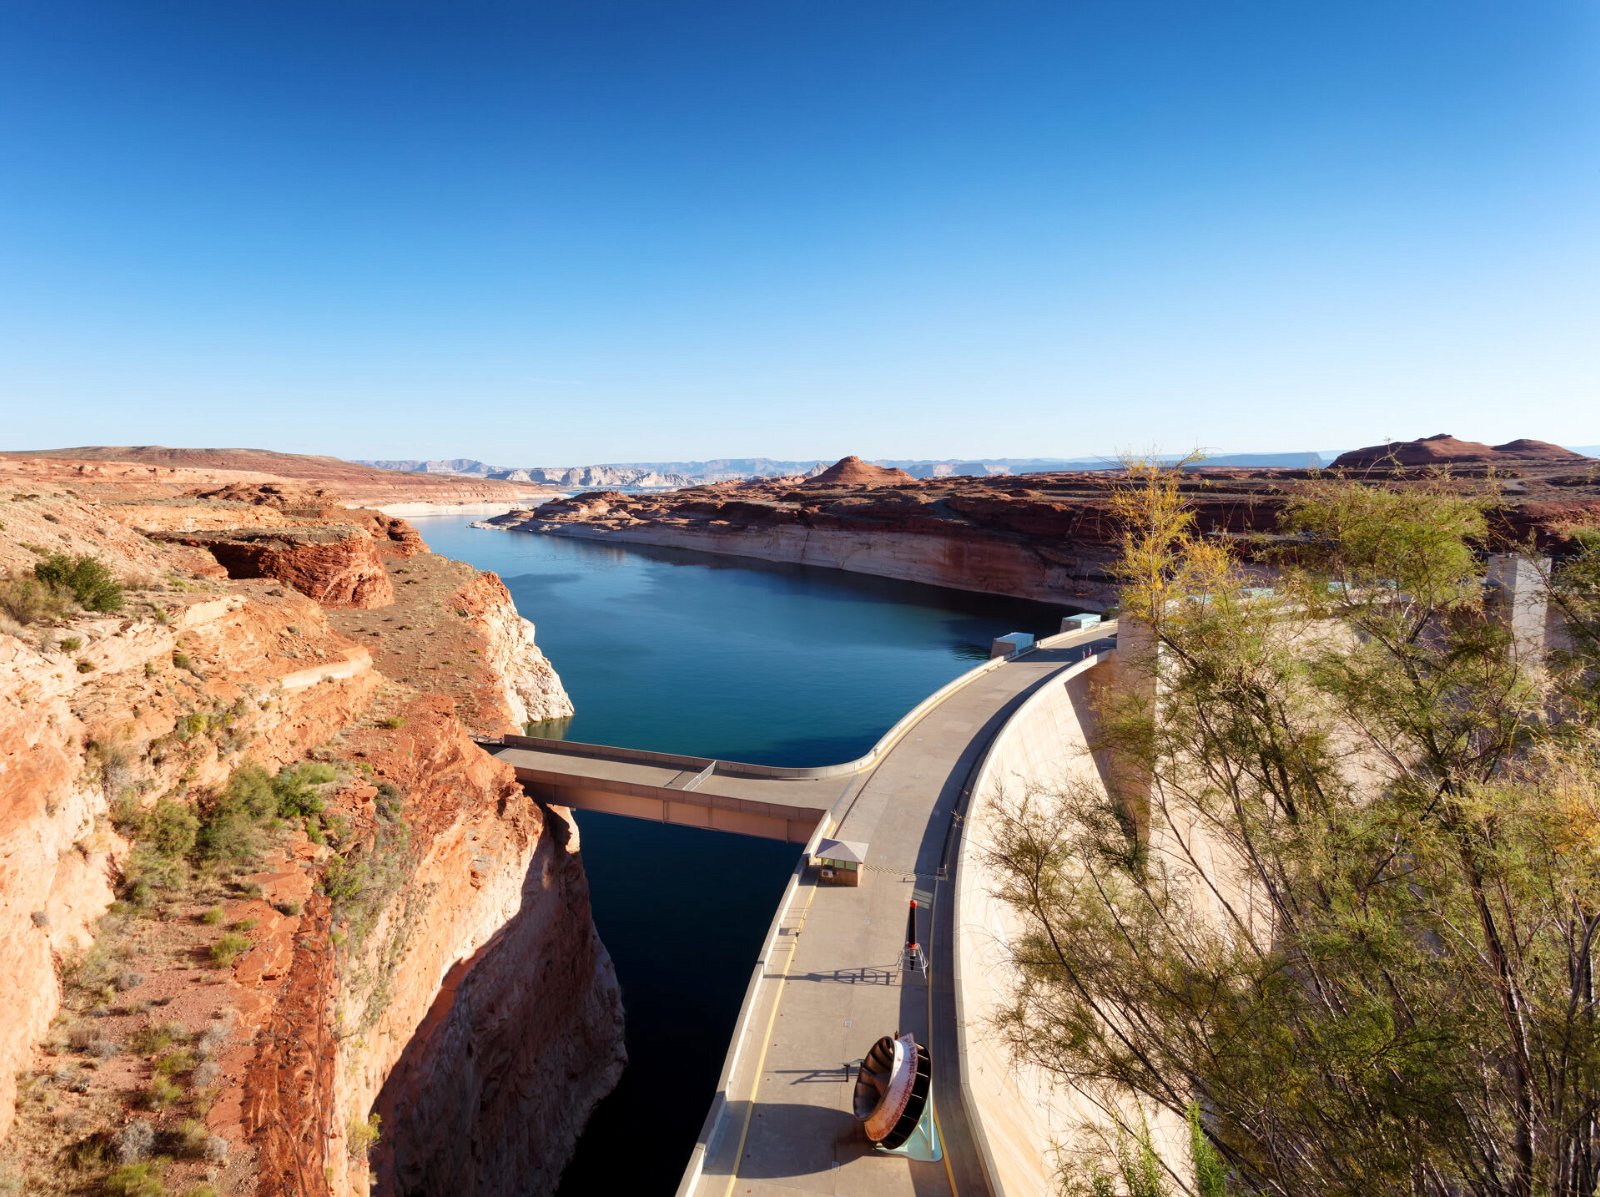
column 724, row 657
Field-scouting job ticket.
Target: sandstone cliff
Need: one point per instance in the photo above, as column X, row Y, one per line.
column 1038, row 536
column 394, row 928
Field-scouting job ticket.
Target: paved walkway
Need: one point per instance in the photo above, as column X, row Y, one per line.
column 831, row 980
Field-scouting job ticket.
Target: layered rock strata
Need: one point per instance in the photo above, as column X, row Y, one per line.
column 1051, row 537
column 343, row 988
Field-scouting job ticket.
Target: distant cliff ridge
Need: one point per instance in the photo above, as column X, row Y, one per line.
column 1048, row 536
column 674, row 474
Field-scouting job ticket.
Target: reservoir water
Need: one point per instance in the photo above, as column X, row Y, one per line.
column 723, row 657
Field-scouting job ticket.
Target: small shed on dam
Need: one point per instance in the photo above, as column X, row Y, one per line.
column 841, row 861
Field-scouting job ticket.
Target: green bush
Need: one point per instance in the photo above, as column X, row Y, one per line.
column 170, row 827
column 162, row 1092
column 234, row 828
column 156, row 1037
column 28, row 600
column 85, row 578
column 295, row 788
column 359, row 885
column 163, row 837
column 70, row 644
column 212, row 917
column 228, row 949
column 175, row 1063
column 135, row 1180
column 363, row 1136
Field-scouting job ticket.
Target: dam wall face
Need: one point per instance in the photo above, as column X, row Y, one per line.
column 1019, row 1112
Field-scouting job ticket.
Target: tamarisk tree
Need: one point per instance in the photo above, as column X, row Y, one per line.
column 1343, row 895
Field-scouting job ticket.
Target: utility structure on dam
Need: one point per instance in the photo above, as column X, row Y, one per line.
column 829, row 978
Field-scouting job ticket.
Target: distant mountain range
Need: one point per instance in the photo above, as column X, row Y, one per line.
column 649, row 475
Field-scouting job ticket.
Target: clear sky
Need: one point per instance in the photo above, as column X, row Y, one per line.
column 557, row 233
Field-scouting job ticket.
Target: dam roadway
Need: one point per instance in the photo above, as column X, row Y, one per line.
column 829, row 981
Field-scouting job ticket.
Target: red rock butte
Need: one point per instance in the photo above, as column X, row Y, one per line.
column 852, row 471
column 1444, row 449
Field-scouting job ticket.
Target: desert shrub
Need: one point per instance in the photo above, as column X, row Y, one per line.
column 190, row 1139
column 91, row 972
column 212, row 917
column 156, row 1037
column 363, row 1136
column 134, row 1141
column 175, row 1063
column 164, row 836
column 233, row 830
column 135, row 1180
column 228, row 949
column 162, row 1092
column 28, row 600
column 85, row 666
column 170, row 828
column 296, row 789
column 70, row 644
column 88, row 581
column 359, row 885
column 392, row 722
column 182, row 660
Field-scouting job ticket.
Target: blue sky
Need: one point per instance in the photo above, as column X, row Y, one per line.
column 543, row 233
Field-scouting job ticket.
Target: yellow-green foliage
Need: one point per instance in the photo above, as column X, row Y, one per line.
column 136, row 1180
column 1354, row 909
column 87, row 579
column 362, row 1136
column 228, row 949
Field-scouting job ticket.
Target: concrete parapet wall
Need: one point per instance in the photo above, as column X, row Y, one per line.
column 1020, row 1113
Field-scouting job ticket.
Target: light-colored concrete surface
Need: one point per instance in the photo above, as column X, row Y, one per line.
column 832, row 982
column 1018, row 1111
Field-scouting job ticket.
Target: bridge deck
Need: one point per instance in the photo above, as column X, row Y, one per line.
column 684, row 790
column 830, row 982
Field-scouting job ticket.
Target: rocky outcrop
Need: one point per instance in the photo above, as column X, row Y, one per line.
column 143, row 468
column 1444, row 449
column 531, row 690
column 480, row 982
column 336, row 565
column 853, row 472
column 470, row 1105
column 73, row 740
column 471, row 923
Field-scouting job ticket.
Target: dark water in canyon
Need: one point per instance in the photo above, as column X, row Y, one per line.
column 715, row 656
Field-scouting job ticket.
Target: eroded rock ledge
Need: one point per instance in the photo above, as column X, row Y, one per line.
column 409, row 939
